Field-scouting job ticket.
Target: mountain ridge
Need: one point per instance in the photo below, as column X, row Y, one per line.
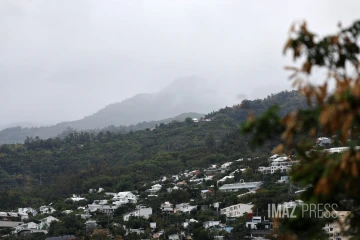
column 183, row 95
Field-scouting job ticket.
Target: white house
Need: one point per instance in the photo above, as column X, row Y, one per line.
column 211, row 224
column 137, row 231
column 124, row 197
column 154, row 188
column 175, row 178
column 334, row 229
column 94, row 190
column 140, row 211
column 237, row 210
column 226, row 165
column 174, row 237
column 102, row 206
column 30, row 226
column 195, row 120
column 257, row 219
column 46, row 209
column 77, row 198
column 153, row 225
column 283, row 179
column 254, row 221
column 45, row 222
column 167, row 207
column 323, row 141
column 275, row 156
column 27, row 211
column 67, row 211
column 280, row 159
column 281, row 163
column 184, row 207
column 188, row 221
column 225, row 178
column 234, row 187
column 338, row 149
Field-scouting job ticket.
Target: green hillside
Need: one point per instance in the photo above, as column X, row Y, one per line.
column 19, row 134
column 44, row 170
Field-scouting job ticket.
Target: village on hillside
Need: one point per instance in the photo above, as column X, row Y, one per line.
column 209, row 203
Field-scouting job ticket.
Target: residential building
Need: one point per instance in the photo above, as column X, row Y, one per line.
column 281, row 159
column 205, row 193
column 104, row 208
column 273, row 157
column 237, row 210
column 101, row 202
column 256, row 220
column 226, row 165
column 93, row 190
column 67, row 211
column 174, row 237
column 225, row 178
column 124, row 197
column 90, row 226
column 184, row 207
column 281, row 163
column 251, row 186
column 27, row 211
column 86, row 215
column 334, row 229
column 153, row 225
column 188, row 221
column 140, row 211
column 77, row 198
column 30, row 226
column 243, row 194
column 154, row 188
column 45, row 222
column 323, row 141
column 9, row 215
column 167, row 207
column 211, row 224
column 137, row 231
column 338, row 149
column 283, row 179
column 46, row 209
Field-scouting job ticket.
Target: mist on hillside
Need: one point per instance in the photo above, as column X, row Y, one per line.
column 69, row 61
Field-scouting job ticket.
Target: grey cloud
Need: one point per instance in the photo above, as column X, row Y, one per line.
column 62, row 60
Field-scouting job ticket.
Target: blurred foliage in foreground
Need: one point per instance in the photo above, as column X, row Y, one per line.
column 334, row 178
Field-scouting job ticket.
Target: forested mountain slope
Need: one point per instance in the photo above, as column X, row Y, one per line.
column 183, row 95
column 19, row 134
column 40, row 170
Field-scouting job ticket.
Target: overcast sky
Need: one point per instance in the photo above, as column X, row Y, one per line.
column 65, row 59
